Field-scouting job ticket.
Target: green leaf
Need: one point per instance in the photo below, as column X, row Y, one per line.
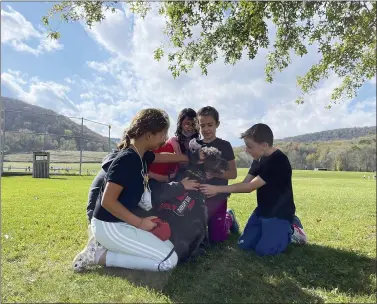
column 158, row 54
column 54, row 35
column 45, row 20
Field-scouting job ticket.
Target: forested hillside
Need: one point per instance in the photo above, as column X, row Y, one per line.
column 50, row 130
column 358, row 154
column 336, row 134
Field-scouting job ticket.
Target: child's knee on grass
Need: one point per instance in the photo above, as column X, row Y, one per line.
column 265, row 247
column 266, row 236
column 275, row 238
column 250, row 238
column 170, row 263
column 251, row 234
column 217, row 231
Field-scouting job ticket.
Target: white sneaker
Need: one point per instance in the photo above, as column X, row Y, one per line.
column 87, row 256
column 298, row 235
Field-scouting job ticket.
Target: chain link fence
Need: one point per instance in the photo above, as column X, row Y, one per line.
column 73, row 145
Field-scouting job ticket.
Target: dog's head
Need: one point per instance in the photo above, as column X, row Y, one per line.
column 213, row 162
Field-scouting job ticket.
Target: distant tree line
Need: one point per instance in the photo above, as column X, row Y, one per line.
column 341, row 155
column 29, row 142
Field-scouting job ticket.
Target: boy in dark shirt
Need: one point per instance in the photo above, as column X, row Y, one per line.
column 220, row 220
column 273, row 224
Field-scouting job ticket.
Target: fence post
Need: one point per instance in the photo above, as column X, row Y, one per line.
column 2, row 143
column 109, row 139
column 82, row 131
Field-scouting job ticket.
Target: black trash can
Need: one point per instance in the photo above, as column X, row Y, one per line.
column 41, row 164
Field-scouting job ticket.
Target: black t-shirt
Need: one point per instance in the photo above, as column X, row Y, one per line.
column 228, row 154
column 97, row 183
column 126, row 172
column 275, row 198
column 94, row 190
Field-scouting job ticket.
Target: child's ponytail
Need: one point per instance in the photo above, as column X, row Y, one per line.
column 146, row 120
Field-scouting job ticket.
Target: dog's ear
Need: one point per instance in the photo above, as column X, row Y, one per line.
column 194, row 145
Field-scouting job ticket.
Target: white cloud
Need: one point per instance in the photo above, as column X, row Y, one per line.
column 49, row 45
column 47, row 94
column 13, row 83
column 69, row 80
column 15, row 26
column 88, row 95
column 16, row 30
column 113, row 33
column 98, row 66
column 288, row 119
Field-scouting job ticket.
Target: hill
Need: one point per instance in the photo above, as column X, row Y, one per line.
column 336, row 134
column 29, row 128
column 348, row 149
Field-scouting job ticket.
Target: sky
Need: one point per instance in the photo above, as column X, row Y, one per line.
column 108, row 73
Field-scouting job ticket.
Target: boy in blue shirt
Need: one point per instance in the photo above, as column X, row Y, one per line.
column 273, row 224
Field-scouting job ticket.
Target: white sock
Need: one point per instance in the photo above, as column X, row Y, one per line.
column 98, row 254
column 90, row 233
column 128, row 261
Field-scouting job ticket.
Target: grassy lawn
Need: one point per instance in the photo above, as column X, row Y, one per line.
column 44, row 226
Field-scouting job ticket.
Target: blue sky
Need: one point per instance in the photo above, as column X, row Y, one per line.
column 108, row 73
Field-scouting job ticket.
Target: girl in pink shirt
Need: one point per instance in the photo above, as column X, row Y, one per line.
column 187, row 129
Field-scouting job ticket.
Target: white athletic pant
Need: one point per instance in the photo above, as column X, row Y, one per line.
column 133, row 248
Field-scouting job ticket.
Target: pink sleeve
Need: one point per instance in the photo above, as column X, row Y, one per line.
column 174, row 142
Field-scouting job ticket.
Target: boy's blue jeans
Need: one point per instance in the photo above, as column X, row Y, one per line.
column 266, row 236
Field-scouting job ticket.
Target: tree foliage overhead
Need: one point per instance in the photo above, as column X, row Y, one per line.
column 343, row 32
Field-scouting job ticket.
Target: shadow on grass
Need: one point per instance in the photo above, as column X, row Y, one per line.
column 226, row 274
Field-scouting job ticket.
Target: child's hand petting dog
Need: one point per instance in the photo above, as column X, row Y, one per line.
column 211, row 175
column 208, row 190
column 189, row 184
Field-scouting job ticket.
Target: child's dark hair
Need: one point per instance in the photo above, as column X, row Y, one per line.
column 259, row 133
column 146, row 120
column 209, row 111
column 190, row 114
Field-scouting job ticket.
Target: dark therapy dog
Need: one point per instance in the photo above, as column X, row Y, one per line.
column 186, row 211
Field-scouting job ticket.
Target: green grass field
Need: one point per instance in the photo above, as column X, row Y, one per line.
column 44, row 226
